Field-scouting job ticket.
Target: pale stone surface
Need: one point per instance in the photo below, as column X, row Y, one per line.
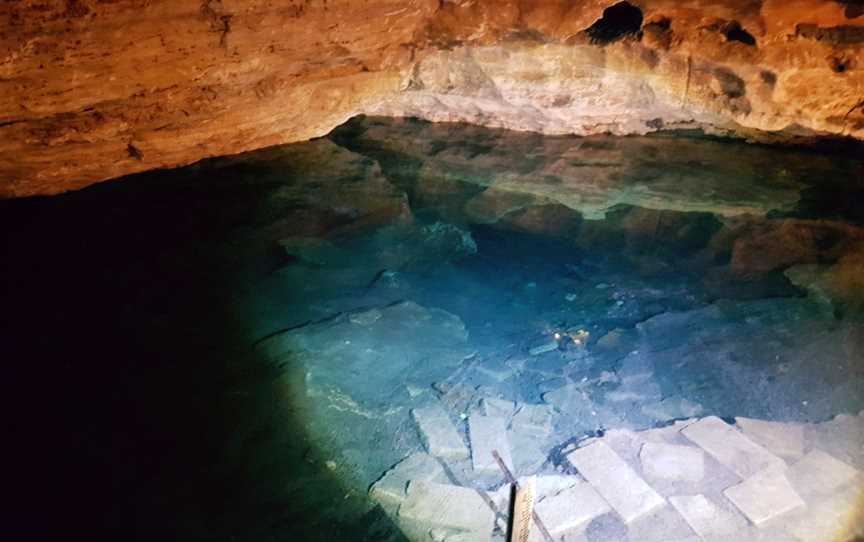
column 391, row 488
column 547, row 485
column 730, row 447
column 704, row 517
column 783, row 439
column 497, row 407
column 570, row 508
column 447, row 506
column 528, row 451
column 534, row 418
column 439, row 434
column 835, row 516
column 488, row 434
column 672, row 462
column 842, row 437
column 820, row 473
column 672, row 408
column 619, row 484
column 765, row 495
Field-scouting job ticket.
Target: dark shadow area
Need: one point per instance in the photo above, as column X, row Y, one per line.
column 734, row 32
column 618, row 21
column 140, row 412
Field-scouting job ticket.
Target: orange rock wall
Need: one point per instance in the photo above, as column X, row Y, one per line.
column 95, row 89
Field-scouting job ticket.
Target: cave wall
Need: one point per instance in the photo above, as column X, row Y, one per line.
column 95, row 89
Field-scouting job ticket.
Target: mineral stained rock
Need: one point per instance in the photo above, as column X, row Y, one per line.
column 91, row 90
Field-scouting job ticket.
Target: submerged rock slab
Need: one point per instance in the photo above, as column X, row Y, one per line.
column 570, row 508
column 619, row 484
column 705, row 517
column 395, row 346
column 488, row 434
column 438, row 433
column 730, row 447
column 444, row 505
column 765, row 495
column 671, row 462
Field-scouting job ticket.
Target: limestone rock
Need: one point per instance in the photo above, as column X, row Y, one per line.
column 765, row 495
column 570, row 508
column 730, row 447
column 619, row 484
column 488, row 434
column 444, row 505
column 705, row 517
column 784, row 439
column 438, row 433
column 391, row 488
column 671, row 462
column 82, row 102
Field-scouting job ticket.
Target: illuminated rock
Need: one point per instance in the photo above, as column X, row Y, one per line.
column 616, row 481
column 765, row 495
column 671, row 462
column 705, row 517
column 730, row 447
column 439, row 434
column 83, row 102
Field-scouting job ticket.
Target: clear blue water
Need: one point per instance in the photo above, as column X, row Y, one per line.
column 138, row 312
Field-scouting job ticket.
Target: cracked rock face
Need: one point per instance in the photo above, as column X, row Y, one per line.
column 92, row 90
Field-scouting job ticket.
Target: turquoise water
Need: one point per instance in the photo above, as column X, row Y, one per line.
column 231, row 350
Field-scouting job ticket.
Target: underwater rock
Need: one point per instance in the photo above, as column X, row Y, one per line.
column 706, row 518
column 619, row 484
column 391, row 489
column 458, row 397
column 444, row 505
column 568, row 184
column 395, row 346
column 570, row 508
column 784, row 439
column 671, row 462
column 438, row 433
column 730, row 447
column 765, row 495
column 543, row 345
column 672, row 408
column 487, row 434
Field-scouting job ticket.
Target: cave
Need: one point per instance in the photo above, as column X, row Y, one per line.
column 433, row 271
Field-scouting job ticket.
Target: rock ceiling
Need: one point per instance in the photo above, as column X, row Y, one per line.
column 91, row 90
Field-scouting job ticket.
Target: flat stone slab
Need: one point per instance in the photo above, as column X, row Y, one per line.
column 836, row 516
column 672, row 462
column 783, row 439
column 444, row 505
column 765, row 495
column 613, row 478
column 391, row 487
column 439, row 434
column 706, row 518
column 534, row 418
column 730, row 447
column 497, row 407
column 672, row 408
column 488, row 434
column 570, row 508
column 820, row 473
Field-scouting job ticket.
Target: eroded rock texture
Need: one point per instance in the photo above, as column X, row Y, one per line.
column 91, row 90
